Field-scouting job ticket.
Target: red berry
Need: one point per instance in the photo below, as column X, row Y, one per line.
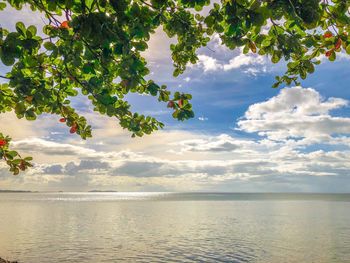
column 64, row 24
column 63, row 120
column 328, row 34
column 329, row 53
column 181, row 103
column 171, row 104
column 29, row 99
column 73, row 130
column 338, row 44
column 22, row 166
column 3, row 143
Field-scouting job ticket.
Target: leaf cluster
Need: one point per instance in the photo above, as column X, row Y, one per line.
column 12, row 158
column 94, row 48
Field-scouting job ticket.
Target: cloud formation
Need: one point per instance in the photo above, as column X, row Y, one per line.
column 282, row 159
column 250, row 63
column 296, row 113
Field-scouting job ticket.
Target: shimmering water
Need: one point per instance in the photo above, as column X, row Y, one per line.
column 174, row 227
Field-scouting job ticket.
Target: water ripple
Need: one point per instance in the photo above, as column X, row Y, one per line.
column 169, row 227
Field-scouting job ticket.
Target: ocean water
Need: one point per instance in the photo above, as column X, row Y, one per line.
column 174, row 227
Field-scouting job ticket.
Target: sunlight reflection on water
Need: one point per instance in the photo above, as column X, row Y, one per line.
column 174, row 227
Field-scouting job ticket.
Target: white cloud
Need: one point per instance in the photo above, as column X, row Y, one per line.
column 221, row 143
column 51, row 148
column 244, row 60
column 250, row 63
column 208, row 63
column 299, row 113
column 202, row 118
column 217, row 43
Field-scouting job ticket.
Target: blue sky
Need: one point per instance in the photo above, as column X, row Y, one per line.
column 246, row 136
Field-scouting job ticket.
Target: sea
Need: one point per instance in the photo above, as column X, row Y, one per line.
column 174, row 227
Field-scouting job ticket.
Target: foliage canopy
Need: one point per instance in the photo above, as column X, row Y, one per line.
column 94, row 48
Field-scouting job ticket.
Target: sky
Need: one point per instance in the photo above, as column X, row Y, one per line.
column 245, row 137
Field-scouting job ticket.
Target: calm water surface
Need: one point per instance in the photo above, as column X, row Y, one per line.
column 174, row 227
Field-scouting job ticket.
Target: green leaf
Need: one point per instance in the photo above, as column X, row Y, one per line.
column 31, row 30
column 276, row 56
column 153, row 89
column 49, row 46
column 7, row 59
column 89, row 3
column 12, row 154
column 2, row 6
column 348, row 49
column 20, row 28
column 309, row 67
column 266, row 42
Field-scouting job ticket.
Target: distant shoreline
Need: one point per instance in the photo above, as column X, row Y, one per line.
column 23, row 191
column 102, row 191
column 15, row 191
column 204, row 192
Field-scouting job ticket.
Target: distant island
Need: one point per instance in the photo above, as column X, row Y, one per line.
column 24, row 191
column 102, row 191
column 14, row 191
